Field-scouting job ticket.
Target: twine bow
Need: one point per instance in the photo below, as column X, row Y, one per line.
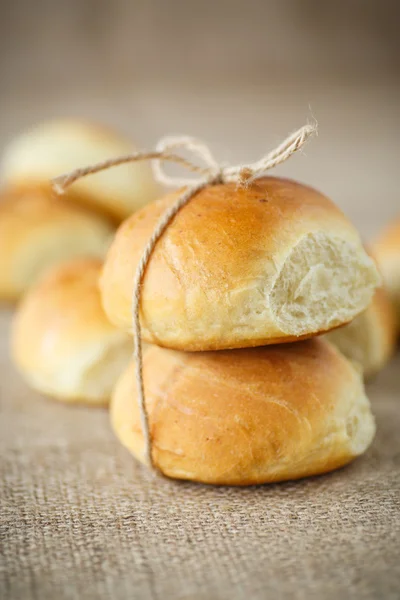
column 212, row 174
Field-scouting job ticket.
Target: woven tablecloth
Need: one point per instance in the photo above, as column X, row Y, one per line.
column 81, row 519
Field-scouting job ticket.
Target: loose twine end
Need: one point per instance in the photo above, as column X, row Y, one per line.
column 212, row 174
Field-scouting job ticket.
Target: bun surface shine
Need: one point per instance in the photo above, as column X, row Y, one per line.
column 57, row 147
column 272, row 262
column 38, row 231
column 246, row 416
column 62, row 342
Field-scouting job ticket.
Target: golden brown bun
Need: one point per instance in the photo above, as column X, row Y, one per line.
column 56, row 147
column 370, row 339
column 247, row 416
column 38, row 231
column 62, row 342
column 386, row 251
column 269, row 263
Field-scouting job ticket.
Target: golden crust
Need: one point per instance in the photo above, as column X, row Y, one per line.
column 38, row 230
column 53, row 148
column 246, row 416
column 67, row 297
column 210, row 281
column 388, row 242
column 386, row 251
column 385, row 316
column 62, row 341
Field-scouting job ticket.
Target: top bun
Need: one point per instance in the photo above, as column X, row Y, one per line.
column 56, row 147
column 386, row 251
column 239, row 267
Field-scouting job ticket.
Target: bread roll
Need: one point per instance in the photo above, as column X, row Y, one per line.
column 62, row 342
column 386, row 251
column 272, row 262
column 370, row 339
column 38, row 231
column 53, row 148
column 247, row 416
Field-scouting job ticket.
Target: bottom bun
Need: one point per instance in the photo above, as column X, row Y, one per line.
column 250, row 416
column 61, row 340
column 370, row 339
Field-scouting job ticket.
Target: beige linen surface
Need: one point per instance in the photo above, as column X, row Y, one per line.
column 81, row 519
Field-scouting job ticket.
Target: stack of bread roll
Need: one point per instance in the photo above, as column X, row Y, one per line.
column 37, row 229
column 241, row 387
column 237, row 281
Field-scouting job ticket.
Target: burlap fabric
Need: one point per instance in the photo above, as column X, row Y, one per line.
column 81, row 520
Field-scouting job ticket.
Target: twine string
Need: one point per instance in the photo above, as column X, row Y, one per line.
column 196, row 147
column 159, row 229
column 246, row 173
column 64, row 181
column 211, row 174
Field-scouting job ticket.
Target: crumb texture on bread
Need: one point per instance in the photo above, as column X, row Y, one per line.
column 240, row 267
column 247, row 416
column 322, row 284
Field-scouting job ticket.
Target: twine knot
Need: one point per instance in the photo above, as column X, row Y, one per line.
column 215, row 172
column 212, row 173
column 245, row 175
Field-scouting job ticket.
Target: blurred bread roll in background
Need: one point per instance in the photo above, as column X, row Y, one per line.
column 370, row 339
column 237, row 267
column 247, row 416
column 38, row 231
column 386, row 251
column 56, row 147
column 62, row 342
